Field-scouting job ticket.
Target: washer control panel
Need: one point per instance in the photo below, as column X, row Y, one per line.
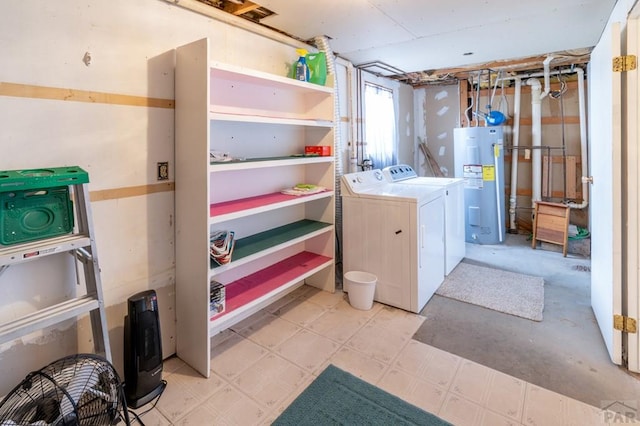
column 399, row 172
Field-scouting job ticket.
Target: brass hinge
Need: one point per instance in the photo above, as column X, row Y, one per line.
column 624, row 324
column 624, row 63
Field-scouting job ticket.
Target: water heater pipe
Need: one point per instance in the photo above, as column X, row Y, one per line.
column 583, row 144
column 536, row 140
column 499, row 199
column 514, row 155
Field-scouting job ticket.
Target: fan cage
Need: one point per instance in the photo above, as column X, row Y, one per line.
column 82, row 389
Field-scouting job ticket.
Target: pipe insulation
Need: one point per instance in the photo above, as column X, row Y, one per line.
column 514, row 156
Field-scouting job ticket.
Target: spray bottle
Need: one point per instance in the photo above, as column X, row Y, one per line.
column 302, row 70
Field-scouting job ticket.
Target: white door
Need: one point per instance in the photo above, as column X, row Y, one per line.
column 605, row 201
column 631, row 154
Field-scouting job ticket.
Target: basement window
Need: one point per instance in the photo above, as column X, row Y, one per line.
column 380, row 125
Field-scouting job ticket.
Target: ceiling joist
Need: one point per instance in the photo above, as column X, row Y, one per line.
column 239, row 9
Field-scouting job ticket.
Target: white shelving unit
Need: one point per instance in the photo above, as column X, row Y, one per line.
column 263, row 122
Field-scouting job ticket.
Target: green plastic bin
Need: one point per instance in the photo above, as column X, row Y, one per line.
column 36, row 204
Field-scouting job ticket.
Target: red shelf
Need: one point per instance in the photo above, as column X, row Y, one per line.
column 235, row 206
column 258, row 284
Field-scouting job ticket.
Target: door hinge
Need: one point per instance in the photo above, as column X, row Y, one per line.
column 624, row 324
column 624, row 63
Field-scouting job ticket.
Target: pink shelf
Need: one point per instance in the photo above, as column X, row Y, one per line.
column 234, row 206
column 251, row 287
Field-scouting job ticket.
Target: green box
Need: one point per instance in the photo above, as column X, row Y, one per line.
column 35, row 204
column 35, row 214
column 14, row 180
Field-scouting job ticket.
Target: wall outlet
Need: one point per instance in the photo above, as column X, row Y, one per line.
column 163, row 170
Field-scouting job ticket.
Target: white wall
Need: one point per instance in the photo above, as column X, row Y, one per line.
column 119, row 144
column 437, row 114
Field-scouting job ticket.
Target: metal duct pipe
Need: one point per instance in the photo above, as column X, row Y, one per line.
column 536, row 140
column 514, row 156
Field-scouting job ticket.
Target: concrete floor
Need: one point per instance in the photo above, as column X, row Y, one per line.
column 564, row 353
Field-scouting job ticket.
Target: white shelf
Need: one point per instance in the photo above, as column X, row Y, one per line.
column 243, row 75
column 264, row 118
column 246, row 117
column 238, row 261
column 250, row 163
column 275, row 286
column 240, row 208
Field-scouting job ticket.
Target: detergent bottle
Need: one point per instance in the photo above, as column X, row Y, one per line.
column 302, row 70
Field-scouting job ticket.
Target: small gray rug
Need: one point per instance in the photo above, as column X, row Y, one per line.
column 503, row 291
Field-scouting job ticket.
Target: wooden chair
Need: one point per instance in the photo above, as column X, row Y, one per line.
column 551, row 224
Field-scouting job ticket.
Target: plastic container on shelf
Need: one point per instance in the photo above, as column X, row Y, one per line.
column 361, row 287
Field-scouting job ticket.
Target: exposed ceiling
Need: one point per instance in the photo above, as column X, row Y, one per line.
column 428, row 41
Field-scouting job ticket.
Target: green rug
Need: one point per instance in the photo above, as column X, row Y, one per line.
column 338, row 398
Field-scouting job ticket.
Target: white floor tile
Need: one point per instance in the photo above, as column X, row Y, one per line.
column 234, row 355
column 308, row 350
column 506, row 395
column 381, row 343
column 230, row 406
column 460, row 411
column 270, row 380
column 425, row 395
column 542, row 407
column 471, row 381
column 270, row 331
column 267, row 360
column 359, row 364
column 301, row 312
column 341, row 322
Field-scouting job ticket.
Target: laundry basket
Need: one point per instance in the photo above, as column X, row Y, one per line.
column 361, row 287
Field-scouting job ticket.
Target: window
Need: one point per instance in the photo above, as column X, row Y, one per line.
column 379, row 126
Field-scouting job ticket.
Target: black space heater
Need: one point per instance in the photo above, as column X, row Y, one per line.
column 142, row 350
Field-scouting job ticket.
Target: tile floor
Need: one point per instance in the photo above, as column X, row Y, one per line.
column 263, row 363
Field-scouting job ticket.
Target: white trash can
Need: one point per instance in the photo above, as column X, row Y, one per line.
column 361, row 286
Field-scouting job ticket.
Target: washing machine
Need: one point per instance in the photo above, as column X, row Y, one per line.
column 454, row 236
column 395, row 232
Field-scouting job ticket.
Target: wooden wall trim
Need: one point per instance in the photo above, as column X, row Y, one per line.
column 67, row 94
column 131, row 191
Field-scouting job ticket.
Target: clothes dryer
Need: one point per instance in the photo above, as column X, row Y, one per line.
column 454, row 239
column 395, row 232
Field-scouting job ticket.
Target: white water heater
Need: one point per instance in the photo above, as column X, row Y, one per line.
column 479, row 160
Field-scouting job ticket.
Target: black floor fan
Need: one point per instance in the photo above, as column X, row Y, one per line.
column 77, row 390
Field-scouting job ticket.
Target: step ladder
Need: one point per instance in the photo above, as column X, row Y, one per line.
column 79, row 242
